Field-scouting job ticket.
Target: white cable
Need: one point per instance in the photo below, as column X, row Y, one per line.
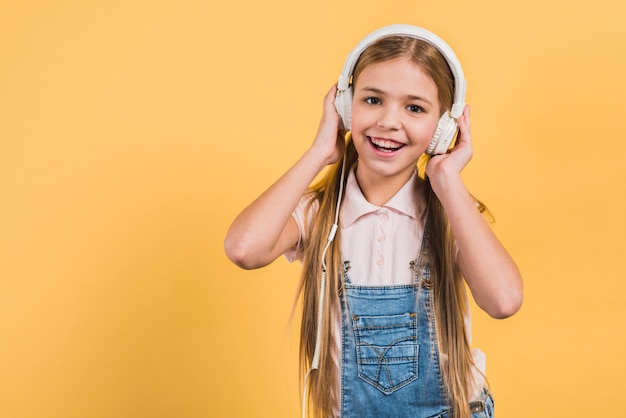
column 320, row 307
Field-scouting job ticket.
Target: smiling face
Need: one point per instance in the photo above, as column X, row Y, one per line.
column 395, row 111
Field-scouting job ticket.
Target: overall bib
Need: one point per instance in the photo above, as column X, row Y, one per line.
column 390, row 356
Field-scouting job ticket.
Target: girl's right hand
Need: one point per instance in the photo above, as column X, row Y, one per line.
column 266, row 228
column 329, row 141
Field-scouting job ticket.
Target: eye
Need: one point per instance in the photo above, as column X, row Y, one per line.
column 415, row 108
column 372, row 100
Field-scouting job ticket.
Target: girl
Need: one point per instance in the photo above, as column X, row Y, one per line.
column 385, row 322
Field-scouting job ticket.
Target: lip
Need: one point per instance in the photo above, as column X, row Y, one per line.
column 385, row 147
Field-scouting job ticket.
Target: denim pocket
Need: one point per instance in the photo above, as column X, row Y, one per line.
column 386, row 350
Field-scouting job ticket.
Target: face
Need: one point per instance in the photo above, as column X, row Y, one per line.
column 395, row 111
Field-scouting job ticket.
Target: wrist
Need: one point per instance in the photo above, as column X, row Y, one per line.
column 317, row 157
column 448, row 186
column 320, row 153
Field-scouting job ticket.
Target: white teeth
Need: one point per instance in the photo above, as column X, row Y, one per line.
column 385, row 144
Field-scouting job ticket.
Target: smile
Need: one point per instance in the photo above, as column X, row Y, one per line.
column 385, row 145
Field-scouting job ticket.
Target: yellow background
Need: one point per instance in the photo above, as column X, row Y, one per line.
column 132, row 132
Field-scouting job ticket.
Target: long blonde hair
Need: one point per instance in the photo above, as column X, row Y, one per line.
column 448, row 287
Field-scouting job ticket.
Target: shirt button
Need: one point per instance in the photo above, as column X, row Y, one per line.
column 382, row 217
column 380, row 261
column 381, row 238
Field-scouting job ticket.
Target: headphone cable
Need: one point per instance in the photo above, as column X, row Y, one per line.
column 320, row 307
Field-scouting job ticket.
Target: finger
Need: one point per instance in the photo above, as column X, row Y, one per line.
column 329, row 99
column 464, row 119
column 332, row 92
column 465, row 134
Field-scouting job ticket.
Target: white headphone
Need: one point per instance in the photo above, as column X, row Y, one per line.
column 447, row 126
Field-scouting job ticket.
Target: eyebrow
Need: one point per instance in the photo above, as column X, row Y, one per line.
column 410, row 96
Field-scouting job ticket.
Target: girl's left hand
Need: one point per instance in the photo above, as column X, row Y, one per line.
column 453, row 162
column 489, row 271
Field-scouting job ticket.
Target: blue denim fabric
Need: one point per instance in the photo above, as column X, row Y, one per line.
column 390, row 357
column 481, row 408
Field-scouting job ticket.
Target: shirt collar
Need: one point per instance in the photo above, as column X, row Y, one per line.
column 355, row 205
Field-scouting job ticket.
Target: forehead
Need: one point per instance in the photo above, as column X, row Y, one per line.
column 397, row 75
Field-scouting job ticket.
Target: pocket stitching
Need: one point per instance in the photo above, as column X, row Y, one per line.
column 409, row 371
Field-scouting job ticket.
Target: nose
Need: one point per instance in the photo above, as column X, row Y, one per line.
column 389, row 118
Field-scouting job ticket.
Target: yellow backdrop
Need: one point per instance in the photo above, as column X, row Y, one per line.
column 132, row 132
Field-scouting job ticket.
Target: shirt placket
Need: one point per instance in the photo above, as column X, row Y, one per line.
column 381, row 260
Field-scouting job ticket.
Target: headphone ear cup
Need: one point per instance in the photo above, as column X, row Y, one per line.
column 444, row 134
column 343, row 104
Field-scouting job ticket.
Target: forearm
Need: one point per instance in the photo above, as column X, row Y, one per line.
column 490, row 272
column 263, row 231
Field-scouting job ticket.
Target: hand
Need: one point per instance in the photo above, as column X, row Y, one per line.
column 453, row 162
column 329, row 141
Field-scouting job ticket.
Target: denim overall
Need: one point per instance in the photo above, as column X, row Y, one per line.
column 390, row 356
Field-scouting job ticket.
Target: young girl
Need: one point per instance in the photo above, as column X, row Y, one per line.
column 389, row 238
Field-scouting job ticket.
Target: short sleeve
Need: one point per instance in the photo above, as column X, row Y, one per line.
column 303, row 220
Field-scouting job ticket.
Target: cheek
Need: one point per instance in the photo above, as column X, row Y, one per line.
column 363, row 115
column 427, row 129
column 357, row 118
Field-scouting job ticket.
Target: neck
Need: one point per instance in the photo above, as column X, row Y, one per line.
column 377, row 189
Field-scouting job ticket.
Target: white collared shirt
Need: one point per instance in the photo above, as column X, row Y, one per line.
column 381, row 241
column 378, row 241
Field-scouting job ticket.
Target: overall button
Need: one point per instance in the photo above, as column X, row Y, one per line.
column 477, row 406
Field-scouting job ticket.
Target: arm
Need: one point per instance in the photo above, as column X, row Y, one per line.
column 490, row 272
column 265, row 229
